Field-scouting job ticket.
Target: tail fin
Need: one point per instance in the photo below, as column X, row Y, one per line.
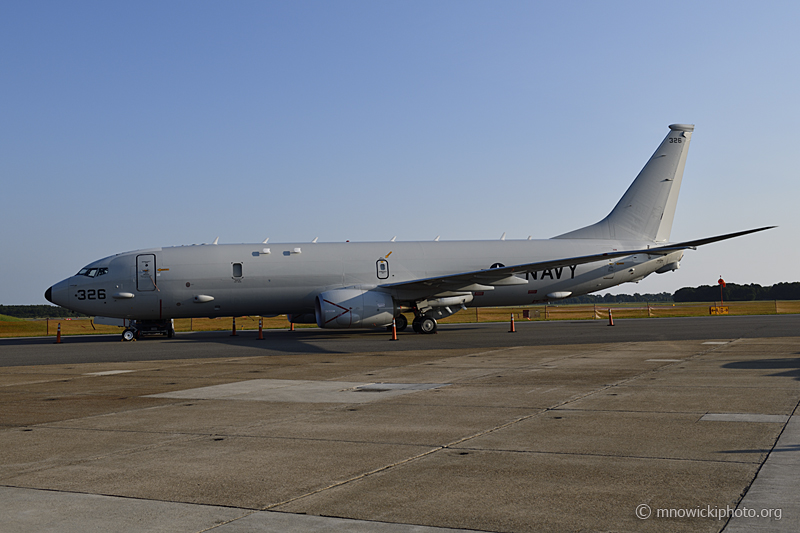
column 647, row 208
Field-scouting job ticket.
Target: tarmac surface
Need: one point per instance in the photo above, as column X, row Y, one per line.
column 651, row 425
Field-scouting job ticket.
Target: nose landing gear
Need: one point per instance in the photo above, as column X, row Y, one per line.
column 138, row 328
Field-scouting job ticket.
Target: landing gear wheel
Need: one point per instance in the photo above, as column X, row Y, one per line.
column 415, row 325
column 401, row 322
column 128, row 335
column 427, row 325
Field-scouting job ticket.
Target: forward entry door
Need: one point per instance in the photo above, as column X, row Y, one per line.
column 146, row 272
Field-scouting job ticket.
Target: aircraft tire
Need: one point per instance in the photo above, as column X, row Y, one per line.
column 128, row 335
column 415, row 325
column 401, row 322
column 427, row 325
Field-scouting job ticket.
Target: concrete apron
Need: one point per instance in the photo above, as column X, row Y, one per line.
column 516, row 438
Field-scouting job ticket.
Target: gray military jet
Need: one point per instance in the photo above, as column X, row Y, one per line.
column 368, row 284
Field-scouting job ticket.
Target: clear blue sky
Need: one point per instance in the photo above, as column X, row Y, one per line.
column 127, row 125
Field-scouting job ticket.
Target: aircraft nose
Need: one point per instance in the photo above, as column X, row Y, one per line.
column 58, row 294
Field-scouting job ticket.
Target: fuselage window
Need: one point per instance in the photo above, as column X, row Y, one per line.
column 237, row 270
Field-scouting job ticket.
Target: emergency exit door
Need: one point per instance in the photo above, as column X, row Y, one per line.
column 383, row 268
column 610, row 272
column 146, row 272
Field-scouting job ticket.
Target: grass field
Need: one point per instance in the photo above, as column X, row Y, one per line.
column 16, row 327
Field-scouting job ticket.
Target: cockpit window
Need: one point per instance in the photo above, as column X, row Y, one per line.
column 92, row 272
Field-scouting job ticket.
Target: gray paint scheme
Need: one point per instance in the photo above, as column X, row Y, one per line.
column 366, row 284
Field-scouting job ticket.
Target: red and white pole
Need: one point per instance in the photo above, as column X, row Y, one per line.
column 513, row 329
column 394, row 330
column 610, row 318
column 260, row 329
column 233, row 332
column 58, row 334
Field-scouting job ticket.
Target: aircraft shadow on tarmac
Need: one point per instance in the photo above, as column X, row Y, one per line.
column 792, row 366
column 776, row 449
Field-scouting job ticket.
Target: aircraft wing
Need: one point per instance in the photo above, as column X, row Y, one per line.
column 481, row 280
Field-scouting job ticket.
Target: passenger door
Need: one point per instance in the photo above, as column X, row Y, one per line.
column 146, row 272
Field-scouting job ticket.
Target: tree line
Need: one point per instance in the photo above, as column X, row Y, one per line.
column 38, row 311
column 739, row 293
column 618, row 298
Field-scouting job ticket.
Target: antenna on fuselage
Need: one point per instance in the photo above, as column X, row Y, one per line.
column 265, row 241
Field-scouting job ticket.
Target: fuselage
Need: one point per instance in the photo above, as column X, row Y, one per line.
column 261, row 279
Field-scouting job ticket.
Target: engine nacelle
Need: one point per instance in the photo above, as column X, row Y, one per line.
column 354, row 308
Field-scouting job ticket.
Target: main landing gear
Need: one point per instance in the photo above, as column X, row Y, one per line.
column 401, row 322
column 424, row 324
column 421, row 324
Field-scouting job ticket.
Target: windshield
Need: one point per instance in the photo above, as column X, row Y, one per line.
column 92, row 272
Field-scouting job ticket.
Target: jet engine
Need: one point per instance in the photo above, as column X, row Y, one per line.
column 354, row 308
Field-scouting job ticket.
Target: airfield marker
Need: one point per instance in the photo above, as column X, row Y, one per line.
column 394, row 330
column 58, row 334
column 291, row 326
column 610, row 318
column 513, row 329
column 260, row 329
column 233, row 333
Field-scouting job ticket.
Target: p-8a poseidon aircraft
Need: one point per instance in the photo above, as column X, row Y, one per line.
column 368, row 284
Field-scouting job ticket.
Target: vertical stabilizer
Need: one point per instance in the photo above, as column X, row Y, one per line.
column 647, row 208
